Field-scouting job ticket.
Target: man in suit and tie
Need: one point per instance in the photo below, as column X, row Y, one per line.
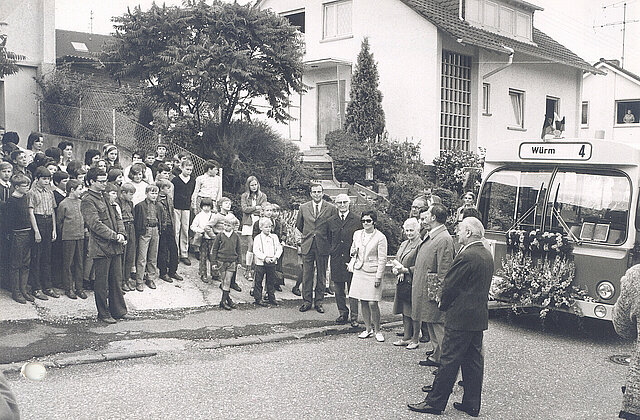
column 431, row 199
column 465, row 300
column 342, row 226
column 313, row 223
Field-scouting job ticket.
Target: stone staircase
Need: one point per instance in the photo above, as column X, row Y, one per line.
column 319, row 161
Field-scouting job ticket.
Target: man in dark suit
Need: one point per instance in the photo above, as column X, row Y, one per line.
column 313, row 223
column 465, row 300
column 342, row 226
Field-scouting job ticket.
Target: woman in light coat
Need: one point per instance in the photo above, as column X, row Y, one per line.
column 369, row 247
column 626, row 321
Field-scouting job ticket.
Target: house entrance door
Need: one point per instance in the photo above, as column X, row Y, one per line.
column 330, row 109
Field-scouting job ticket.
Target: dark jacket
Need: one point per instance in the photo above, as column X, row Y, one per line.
column 165, row 218
column 341, row 238
column 104, row 224
column 140, row 217
column 465, row 291
column 315, row 229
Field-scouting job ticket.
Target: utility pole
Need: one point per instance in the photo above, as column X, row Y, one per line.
column 91, row 23
column 624, row 22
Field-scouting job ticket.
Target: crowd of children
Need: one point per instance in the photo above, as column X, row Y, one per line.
column 157, row 199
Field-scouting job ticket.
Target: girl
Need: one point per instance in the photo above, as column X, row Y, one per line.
column 135, row 175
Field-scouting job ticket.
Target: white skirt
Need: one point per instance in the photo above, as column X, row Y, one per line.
column 363, row 286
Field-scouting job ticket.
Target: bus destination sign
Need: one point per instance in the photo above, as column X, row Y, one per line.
column 555, row 151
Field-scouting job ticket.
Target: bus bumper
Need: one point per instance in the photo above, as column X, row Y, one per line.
column 594, row 309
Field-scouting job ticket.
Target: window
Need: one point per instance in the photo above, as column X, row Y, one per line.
column 486, row 99
column 523, row 25
column 455, row 101
column 500, row 16
column 584, row 119
column 473, row 11
column 517, row 103
column 337, row 19
column 80, row 46
column 507, row 17
column 628, row 112
column 491, row 15
column 296, row 19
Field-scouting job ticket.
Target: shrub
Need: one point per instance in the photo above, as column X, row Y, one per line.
column 63, row 87
column 452, row 167
column 350, row 156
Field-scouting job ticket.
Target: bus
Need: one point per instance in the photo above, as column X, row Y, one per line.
column 584, row 189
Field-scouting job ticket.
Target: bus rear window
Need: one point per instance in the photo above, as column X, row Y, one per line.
column 593, row 206
column 511, row 196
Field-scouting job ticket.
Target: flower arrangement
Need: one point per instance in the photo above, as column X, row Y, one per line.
column 539, row 244
column 543, row 282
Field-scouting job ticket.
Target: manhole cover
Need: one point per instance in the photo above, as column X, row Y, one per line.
column 621, row 359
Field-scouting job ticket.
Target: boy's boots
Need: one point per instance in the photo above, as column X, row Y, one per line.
column 223, row 302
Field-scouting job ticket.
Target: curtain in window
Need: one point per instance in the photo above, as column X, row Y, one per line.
column 516, row 103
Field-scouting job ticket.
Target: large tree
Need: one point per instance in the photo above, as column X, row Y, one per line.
column 210, row 61
column 365, row 116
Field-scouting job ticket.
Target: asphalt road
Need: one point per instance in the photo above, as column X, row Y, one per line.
column 561, row 372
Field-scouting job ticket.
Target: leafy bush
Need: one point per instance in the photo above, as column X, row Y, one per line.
column 350, row 156
column 63, row 87
column 451, row 173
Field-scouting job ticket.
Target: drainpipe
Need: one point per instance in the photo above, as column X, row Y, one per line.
column 509, row 62
column 460, row 10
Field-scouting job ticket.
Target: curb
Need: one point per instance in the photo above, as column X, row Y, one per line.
column 205, row 345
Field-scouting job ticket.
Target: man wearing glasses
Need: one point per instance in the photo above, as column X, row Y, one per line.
column 313, row 223
column 342, row 226
column 105, row 247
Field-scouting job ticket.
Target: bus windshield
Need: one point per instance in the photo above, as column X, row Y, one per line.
column 593, row 205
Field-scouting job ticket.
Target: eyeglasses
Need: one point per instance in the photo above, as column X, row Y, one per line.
column 102, row 181
column 342, row 202
column 366, row 220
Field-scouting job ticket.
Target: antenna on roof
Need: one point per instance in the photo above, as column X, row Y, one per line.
column 623, row 22
column 91, row 23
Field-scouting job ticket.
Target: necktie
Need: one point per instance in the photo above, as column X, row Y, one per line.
column 316, row 210
column 343, row 217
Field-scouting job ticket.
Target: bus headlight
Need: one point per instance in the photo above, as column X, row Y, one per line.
column 600, row 311
column 605, row 290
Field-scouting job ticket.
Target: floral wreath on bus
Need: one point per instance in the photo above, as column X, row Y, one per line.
column 538, row 243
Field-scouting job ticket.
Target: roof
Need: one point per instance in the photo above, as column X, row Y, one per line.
column 72, row 43
column 613, row 64
column 444, row 15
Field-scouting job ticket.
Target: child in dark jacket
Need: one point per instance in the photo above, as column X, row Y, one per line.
column 225, row 253
column 167, row 247
column 129, row 256
column 71, row 226
column 146, row 219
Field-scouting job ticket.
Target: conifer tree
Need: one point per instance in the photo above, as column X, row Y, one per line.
column 365, row 116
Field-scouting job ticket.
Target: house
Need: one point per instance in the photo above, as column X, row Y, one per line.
column 81, row 52
column 455, row 74
column 30, row 29
column 611, row 104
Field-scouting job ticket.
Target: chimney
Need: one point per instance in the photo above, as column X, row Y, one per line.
column 613, row 62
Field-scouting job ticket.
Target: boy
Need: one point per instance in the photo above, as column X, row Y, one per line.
column 42, row 205
column 183, row 186
column 224, row 206
column 18, row 225
column 164, row 174
column 160, row 157
column 149, row 159
column 19, row 160
column 207, row 185
column 6, row 170
column 167, row 248
column 71, row 224
column 203, row 233
column 129, row 255
column 60, row 179
column 146, row 218
column 266, row 250
column 67, row 153
column 225, row 257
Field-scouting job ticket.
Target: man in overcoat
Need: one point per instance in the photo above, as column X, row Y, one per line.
column 433, row 260
column 465, row 301
column 342, row 226
column 313, row 223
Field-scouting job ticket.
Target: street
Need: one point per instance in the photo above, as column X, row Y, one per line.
column 560, row 372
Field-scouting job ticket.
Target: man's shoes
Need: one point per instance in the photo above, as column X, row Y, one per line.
column 166, row 278
column 424, row 339
column 354, row 323
column 224, row 305
column 108, row 320
column 423, row 407
column 236, row 287
column 473, row 412
column 185, row 261
column 428, row 362
column 19, row 298
column 260, row 303
column 176, row 276
column 39, row 295
column 429, row 352
column 342, row 320
column 71, row 294
column 28, row 297
column 204, row 279
column 150, row 284
column 277, row 288
column 51, row 292
column 296, row 291
column 126, row 317
column 140, row 287
column 427, row 388
column 305, row 307
column 328, row 291
column 319, row 308
column 81, row 294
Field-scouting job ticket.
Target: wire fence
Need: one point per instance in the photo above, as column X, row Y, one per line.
column 107, row 126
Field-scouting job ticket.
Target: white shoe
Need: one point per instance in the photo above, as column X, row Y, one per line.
column 365, row 334
column 379, row 337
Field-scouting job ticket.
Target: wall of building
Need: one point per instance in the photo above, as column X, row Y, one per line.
column 30, row 32
column 537, row 80
column 602, row 92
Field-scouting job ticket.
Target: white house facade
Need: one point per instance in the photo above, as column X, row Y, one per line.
column 30, row 29
column 611, row 104
column 451, row 78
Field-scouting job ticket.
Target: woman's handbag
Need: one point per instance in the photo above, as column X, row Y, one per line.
column 403, row 289
column 351, row 265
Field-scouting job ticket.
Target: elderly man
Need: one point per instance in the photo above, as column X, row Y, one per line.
column 342, row 226
column 417, row 204
column 432, row 263
column 465, row 300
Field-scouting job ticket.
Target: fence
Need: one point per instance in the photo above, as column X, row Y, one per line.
column 106, row 126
